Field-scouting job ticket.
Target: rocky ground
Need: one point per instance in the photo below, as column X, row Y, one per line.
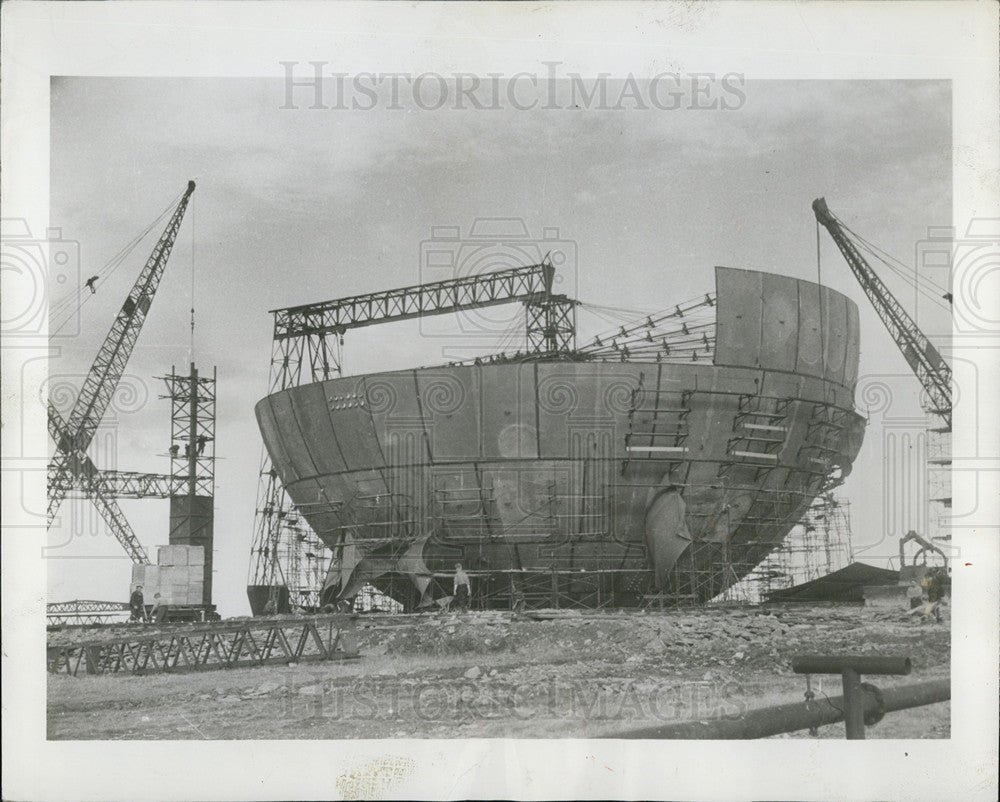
column 495, row 675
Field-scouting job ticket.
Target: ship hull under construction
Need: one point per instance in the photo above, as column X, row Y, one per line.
column 580, row 483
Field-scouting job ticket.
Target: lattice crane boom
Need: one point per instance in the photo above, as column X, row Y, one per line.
column 110, row 512
column 109, row 365
column 920, row 354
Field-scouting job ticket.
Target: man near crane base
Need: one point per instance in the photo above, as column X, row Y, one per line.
column 137, row 605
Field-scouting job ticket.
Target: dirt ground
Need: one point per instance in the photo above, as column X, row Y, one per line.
column 491, row 675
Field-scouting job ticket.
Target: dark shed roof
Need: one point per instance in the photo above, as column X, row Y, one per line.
column 843, row 585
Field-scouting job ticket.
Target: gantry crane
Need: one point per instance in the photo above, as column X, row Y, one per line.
column 71, row 467
column 920, row 354
column 306, row 348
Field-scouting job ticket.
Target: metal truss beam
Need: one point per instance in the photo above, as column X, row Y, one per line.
column 126, row 484
column 83, row 611
column 85, row 606
column 551, row 325
column 306, row 348
column 192, row 427
column 81, row 467
column 436, row 298
column 256, row 642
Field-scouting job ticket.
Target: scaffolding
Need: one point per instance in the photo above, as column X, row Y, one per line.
column 371, row 600
column 307, row 347
column 779, row 482
column 305, row 560
column 939, row 480
column 817, row 546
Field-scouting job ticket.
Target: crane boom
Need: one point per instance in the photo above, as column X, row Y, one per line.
column 108, row 507
column 920, row 354
column 109, row 365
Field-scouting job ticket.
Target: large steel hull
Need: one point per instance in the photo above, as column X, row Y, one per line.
column 580, row 482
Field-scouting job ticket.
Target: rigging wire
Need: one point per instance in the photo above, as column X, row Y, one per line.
column 930, row 289
column 886, row 256
column 115, row 261
column 70, row 305
column 513, row 334
column 692, row 313
column 191, row 352
column 648, row 321
column 936, row 298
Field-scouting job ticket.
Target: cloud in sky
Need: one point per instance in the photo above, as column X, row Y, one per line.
column 294, row 206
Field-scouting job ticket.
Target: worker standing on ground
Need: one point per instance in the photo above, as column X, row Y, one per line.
column 462, row 588
column 137, row 605
column 159, row 610
column 932, row 586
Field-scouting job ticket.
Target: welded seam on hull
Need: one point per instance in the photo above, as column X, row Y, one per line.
column 538, row 414
column 301, row 431
column 384, row 471
column 333, row 428
column 423, row 423
column 610, row 460
column 280, row 440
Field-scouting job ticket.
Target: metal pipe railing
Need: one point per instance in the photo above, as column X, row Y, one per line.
column 768, row 721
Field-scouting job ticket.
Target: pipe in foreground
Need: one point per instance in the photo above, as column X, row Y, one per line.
column 767, row 721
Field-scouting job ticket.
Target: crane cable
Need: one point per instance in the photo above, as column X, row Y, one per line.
column 819, row 282
column 68, row 307
column 930, row 289
column 885, row 255
column 116, row 261
column 191, row 353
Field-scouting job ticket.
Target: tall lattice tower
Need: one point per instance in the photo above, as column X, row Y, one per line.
column 192, row 464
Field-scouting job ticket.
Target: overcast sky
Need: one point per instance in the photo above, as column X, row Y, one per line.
column 302, row 205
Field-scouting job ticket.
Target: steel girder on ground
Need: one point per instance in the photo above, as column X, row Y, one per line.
column 253, row 642
column 84, row 611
